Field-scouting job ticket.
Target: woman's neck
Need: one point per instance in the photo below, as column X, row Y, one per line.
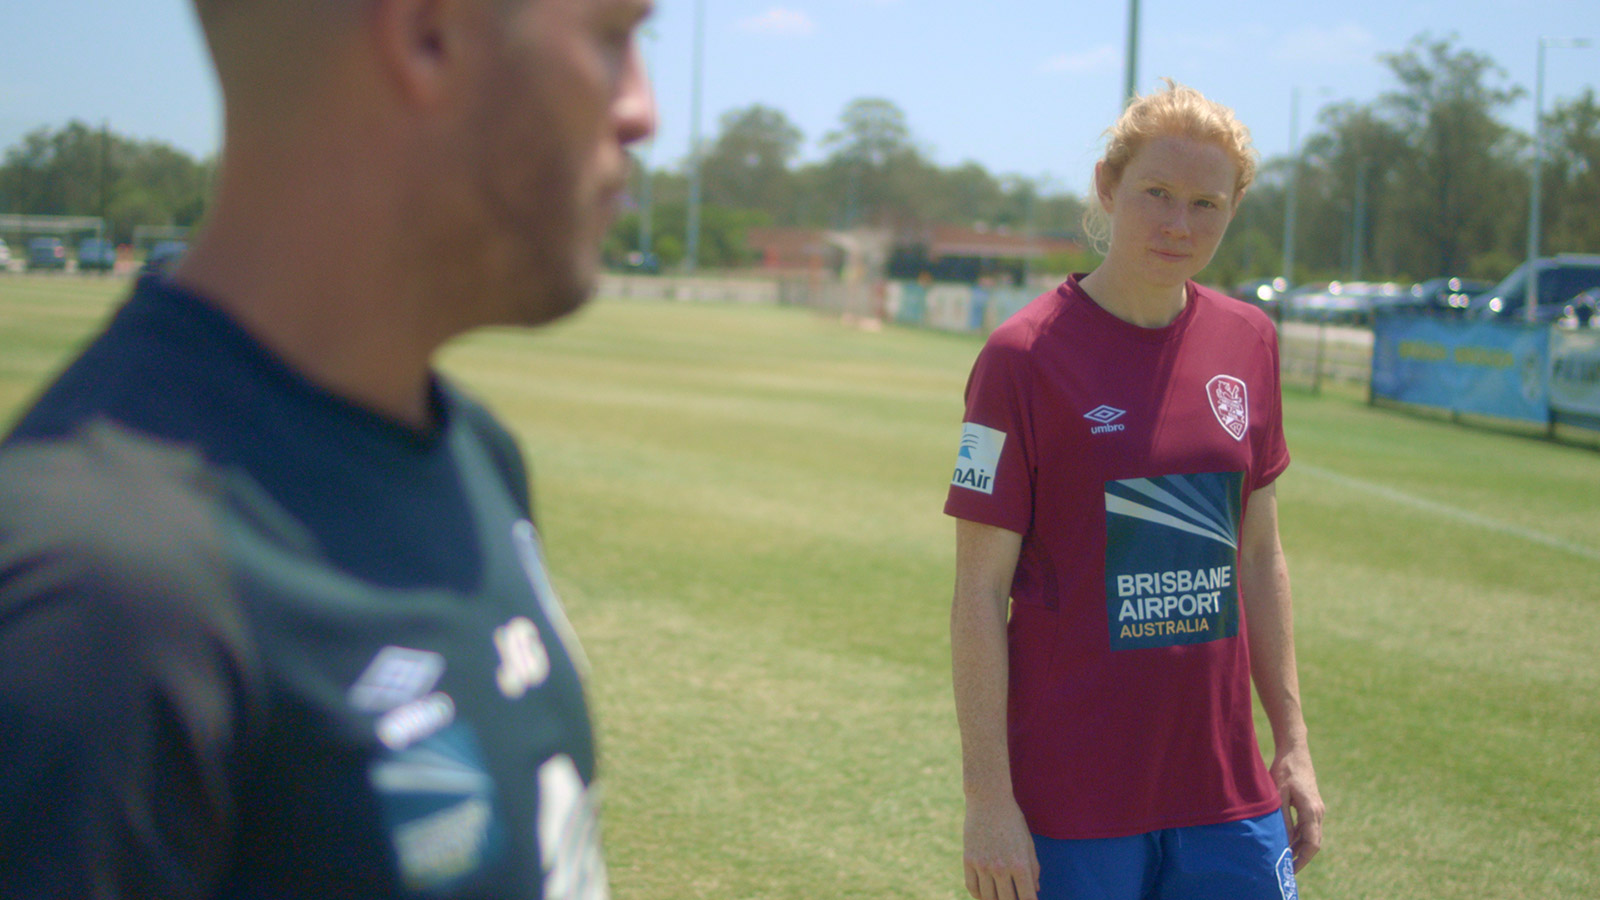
column 1132, row 300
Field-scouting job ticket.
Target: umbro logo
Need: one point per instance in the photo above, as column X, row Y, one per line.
column 1106, row 416
column 396, row 676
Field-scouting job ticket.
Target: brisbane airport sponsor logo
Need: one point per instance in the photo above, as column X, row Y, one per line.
column 438, row 805
column 1171, row 550
column 979, row 457
column 1106, row 418
column 1230, row 400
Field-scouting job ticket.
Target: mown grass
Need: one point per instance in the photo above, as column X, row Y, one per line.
column 742, row 509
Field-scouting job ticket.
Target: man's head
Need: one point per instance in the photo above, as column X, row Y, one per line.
column 499, row 127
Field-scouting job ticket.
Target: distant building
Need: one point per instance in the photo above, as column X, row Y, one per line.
column 955, row 253
column 792, row 250
column 939, row 252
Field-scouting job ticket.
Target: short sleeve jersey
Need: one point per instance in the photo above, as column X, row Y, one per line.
column 256, row 641
column 1125, row 456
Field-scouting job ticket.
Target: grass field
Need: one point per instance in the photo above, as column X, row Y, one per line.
column 742, row 509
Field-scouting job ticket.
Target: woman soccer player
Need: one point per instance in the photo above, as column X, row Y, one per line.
column 1115, row 485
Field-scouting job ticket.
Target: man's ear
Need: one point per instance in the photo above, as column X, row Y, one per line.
column 418, row 43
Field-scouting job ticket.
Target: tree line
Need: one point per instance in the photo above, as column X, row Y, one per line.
column 875, row 174
column 1424, row 180
column 79, row 170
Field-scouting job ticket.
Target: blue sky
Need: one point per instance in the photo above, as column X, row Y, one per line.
column 1020, row 86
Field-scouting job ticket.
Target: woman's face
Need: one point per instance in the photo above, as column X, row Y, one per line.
column 1170, row 209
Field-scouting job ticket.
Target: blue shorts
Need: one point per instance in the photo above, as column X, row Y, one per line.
column 1245, row 860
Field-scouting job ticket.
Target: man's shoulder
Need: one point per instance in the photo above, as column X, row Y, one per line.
column 143, row 370
column 105, row 512
column 125, row 667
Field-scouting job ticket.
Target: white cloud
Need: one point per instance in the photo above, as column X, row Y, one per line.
column 1348, row 44
column 1106, row 57
column 781, row 22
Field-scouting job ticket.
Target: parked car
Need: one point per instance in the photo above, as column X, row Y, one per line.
column 1338, row 302
column 641, row 262
column 163, row 256
column 1262, row 292
column 5, row 256
column 1307, row 301
column 1372, row 297
column 1446, row 295
column 1561, row 278
column 1582, row 311
column 46, row 253
column 96, row 255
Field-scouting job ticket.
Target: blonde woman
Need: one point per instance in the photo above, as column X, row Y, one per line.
column 1119, row 579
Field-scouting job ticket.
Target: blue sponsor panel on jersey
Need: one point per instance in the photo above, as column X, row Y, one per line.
column 439, row 802
column 1171, row 552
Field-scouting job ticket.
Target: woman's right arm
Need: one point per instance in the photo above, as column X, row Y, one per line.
column 998, row 854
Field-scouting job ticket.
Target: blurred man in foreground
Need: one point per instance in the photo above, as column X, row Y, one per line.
column 274, row 620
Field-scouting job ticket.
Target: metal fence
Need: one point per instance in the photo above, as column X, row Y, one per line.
column 1313, row 354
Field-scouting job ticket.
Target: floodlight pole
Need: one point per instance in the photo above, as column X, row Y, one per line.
column 646, row 207
column 1130, row 80
column 1530, row 308
column 104, row 172
column 1536, row 198
column 646, row 188
column 1294, row 183
column 1358, row 224
column 692, row 251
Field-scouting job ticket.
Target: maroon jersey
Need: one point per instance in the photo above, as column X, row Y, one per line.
column 1125, row 457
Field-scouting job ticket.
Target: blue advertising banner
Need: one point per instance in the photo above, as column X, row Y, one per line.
column 1480, row 367
column 1575, row 373
column 913, row 305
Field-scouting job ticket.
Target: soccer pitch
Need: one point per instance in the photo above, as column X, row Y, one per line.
column 742, row 509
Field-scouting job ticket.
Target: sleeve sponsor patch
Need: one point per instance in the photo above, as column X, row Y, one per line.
column 979, row 458
column 1171, row 551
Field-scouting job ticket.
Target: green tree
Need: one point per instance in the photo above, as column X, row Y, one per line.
column 84, row 171
column 874, row 165
column 962, row 195
column 1253, row 246
column 1354, row 164
column 1460, row 174
column 748, row 165
column 1571, row 202
column 55, row 173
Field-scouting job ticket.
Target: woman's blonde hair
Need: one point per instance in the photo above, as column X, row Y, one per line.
column 1176, row 111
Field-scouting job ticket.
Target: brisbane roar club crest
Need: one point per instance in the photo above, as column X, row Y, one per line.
column 1231, row 402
